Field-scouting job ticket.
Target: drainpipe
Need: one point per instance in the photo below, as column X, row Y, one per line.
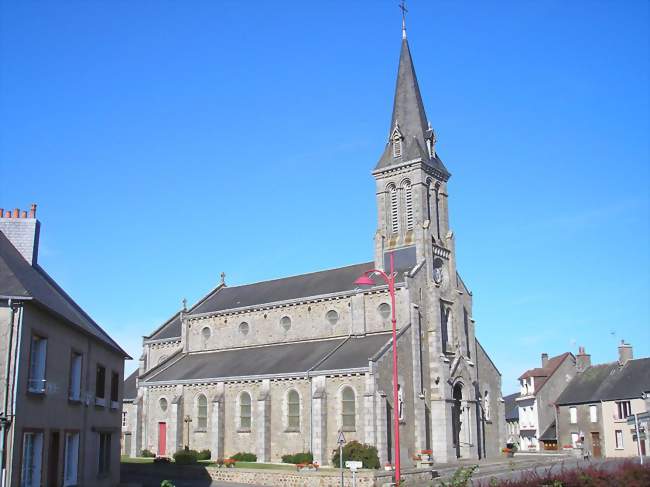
column 4, row 417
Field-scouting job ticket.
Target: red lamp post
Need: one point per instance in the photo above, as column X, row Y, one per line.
column 365, row 280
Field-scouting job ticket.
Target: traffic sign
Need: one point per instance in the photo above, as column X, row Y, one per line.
column 640, row 416
column 341, row 439
column 353, row 465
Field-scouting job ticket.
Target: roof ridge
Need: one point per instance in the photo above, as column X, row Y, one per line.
column 298, row 275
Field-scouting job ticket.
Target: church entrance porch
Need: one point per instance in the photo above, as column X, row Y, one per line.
column 461, row 415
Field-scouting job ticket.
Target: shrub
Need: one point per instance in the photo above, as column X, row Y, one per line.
column 205, row 455
column 166, row 483
column 186, row 457
column 244, row 457
column 147, row 454
column 296, row 458
column 161, row 460
column 360, row 452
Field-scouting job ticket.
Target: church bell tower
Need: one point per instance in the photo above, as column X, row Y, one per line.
column 411, row 181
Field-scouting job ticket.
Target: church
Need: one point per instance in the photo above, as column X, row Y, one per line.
column 282, row 366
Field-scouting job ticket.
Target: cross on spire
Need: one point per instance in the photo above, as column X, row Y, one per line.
column 402, row 7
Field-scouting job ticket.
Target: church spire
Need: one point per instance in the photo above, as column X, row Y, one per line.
column 410, row 136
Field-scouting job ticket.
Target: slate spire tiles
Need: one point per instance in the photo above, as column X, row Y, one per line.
column 409, row 119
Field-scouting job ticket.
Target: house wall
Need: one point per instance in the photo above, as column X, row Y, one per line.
column 52, row 411
column 584, row 427
column 550, row 391
column 611, row 423
column 493, row 434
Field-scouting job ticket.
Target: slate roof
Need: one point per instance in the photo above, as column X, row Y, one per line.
column 550, row 434
column 286, row 358
column 130, row 390
column 19, row 279
column 511, row 407
column 222, row 298
column 543, row 373
column 608, row 382
column 410, row 118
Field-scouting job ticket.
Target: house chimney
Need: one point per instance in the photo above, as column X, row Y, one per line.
column 544, row 360
column 22, row 229
column 583, row 360
column 624, row 352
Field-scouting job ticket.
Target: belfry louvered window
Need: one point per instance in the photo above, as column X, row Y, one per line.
column 394, row 212
column 408, row 204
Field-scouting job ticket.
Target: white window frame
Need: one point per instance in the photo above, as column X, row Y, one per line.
column 575, row 439
column 76, row 367
column 618, row 438
column 37, row 364
column 573, row 415
column 32, row 460
column 71, row 459
column 593, row 413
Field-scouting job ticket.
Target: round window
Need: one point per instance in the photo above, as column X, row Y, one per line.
column 285, row 323
column 206, row 332
column 163, row 404
column 244, row 328
column 384, row 310
column 332, row 316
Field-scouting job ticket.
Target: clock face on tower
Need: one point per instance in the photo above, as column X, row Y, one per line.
column 438, row 270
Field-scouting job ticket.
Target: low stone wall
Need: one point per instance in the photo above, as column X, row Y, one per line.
column 322, row 478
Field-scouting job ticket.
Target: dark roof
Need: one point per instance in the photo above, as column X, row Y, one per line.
column 284, row 358
column 318, row 283
column 550, row 434
column 410, row 118
column 130, row 389
column 302, row 286
column 20, row 279
column 608, row 382
column 543, row 373
column 511, row 407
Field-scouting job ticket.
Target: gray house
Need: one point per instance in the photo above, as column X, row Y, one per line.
column 61, row 374
column 592, row 411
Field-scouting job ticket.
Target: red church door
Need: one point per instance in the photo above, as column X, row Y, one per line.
column 162, row 439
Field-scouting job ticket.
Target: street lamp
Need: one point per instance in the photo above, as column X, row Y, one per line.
column 366, row 280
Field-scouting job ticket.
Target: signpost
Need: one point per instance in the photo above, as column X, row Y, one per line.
column 634, row 419
column 341, row 441
column 353, row 466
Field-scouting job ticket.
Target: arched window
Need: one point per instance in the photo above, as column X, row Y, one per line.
column 437, row 203
column 162, row 359
column 293, row 410
column 348, row 409
column 202, row 412
column 429, row 199
column 332, row 317
column 408, row 203
column 486, row 405
column 163, row 404
column 245, row 410
column 206, row 332
column 285, row 323
column 393, row 209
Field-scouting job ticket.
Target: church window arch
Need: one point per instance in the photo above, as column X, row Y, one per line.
column 393, row 210
column 384, row 310
column 202, row 412
column 285, row 323
column 244, row 328
column 245, row 411
column 348, row 409
column 332, row 317
column 486, row 405
column 163, row 404
column 436, row 194
column 293, row 410
column 408, row 204
column 162, row 359
column 206, row 332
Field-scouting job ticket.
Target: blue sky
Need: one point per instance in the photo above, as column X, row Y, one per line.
column 166, row 142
